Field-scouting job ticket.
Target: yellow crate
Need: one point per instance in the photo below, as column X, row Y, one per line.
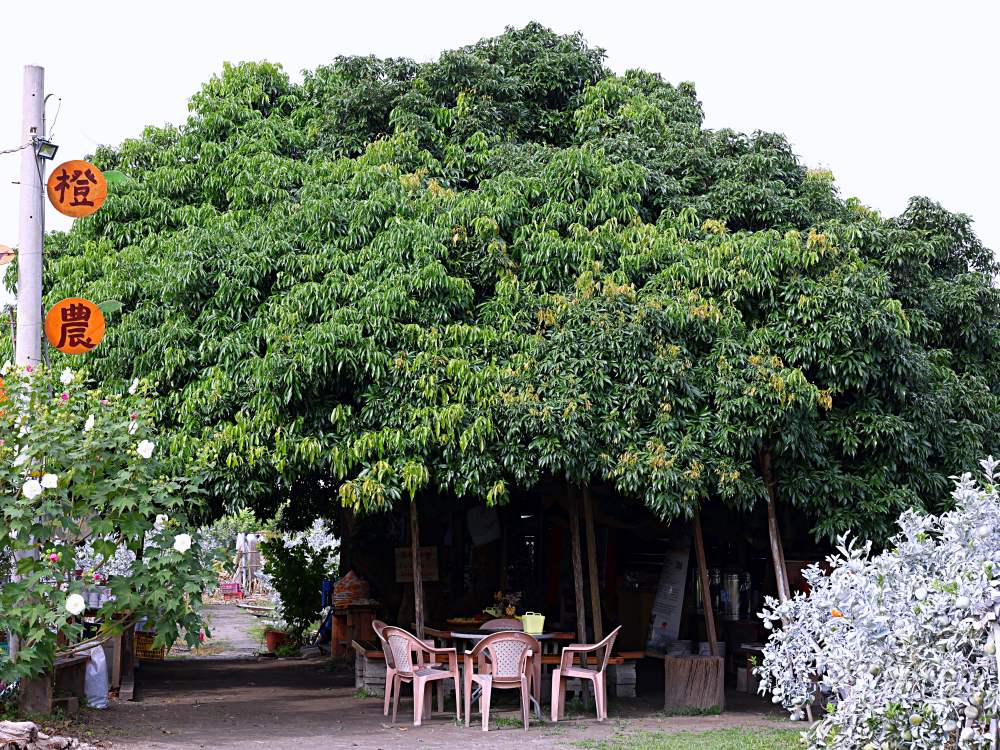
column 144, row 648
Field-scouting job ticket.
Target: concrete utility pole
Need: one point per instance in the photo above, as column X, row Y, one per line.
column 28, row 347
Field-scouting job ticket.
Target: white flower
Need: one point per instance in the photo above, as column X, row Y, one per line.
column 161, row 520
column 134, row 387
column 132, row 427
column 89, row 424
column 12, row 533
column 67, row 376
column 75, row 604
column 49, row 481
column 31, row 489
column 22, row 458
column 182, row 542
column 145, row 448
column 6, row 368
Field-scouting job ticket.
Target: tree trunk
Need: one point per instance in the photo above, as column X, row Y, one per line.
column 418, row 581
column 777, row 553
column 595, row 587
column 699, row 549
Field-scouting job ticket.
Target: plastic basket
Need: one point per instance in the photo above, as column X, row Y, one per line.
column 533, row 623
column 231, row 591
column 144, row 648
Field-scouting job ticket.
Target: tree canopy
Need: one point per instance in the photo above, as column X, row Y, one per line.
column 510, row 263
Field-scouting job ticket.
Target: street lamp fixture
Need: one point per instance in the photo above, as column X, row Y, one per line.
column 45, row 149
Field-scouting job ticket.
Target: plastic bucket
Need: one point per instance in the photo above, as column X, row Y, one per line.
column 532, row 622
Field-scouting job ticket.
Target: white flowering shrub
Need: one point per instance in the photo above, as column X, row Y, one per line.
column 903, row 643
column 82, row 482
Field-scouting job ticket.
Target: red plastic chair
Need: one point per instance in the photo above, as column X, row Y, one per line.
column 403, row 646
column 567, row 670
column 501, row 660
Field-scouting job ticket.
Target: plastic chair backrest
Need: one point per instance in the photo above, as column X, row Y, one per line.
column 379, row 627
column 608, row 643
column 507, row 652
column 401, row 645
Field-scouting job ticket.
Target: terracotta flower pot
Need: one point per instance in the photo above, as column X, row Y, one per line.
column 274, row 638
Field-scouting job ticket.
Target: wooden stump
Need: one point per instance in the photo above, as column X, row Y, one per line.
column 694, row 682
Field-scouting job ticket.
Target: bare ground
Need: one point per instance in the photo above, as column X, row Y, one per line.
column 301, row 704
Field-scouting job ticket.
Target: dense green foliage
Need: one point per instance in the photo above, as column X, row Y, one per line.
column 509, row 263
column 297, row 574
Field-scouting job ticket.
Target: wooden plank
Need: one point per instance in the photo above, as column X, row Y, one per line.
column 418, row 581
column 693, row 682
column 699, row 547
column 548, row 659
column 595, row 589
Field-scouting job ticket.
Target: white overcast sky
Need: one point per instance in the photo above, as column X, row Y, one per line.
column 896, row 98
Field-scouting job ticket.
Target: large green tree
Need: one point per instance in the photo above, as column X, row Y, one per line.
column 511, row 263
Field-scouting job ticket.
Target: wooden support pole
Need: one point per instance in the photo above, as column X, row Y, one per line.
column 777, row 553
column 699, row 548
column 418, row 580
column 574, row 537
column 595, row 588
column 581, row 608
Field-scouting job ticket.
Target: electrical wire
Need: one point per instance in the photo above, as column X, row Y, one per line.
column 50, row 133
column 15, row 150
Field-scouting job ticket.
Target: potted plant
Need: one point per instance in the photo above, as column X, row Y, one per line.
column 275, row 637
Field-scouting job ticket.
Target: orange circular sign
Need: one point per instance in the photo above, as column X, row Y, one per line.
column 74, row 325
column 77, row 188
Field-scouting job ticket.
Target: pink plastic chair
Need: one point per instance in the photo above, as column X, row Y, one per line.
column 567, row 670
column 403, row 646
column 501, row 661
column 390, row 668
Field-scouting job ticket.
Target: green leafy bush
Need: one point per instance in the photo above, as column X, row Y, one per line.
column 296, row 573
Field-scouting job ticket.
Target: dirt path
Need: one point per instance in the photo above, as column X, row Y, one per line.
column 229, row 626
column 239, row 701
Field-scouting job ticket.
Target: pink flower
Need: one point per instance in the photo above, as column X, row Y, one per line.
column 134, row 415
column 201, row 637
column 64, row 396
column 29, row 368
column 104, row 402
column 54, row 557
